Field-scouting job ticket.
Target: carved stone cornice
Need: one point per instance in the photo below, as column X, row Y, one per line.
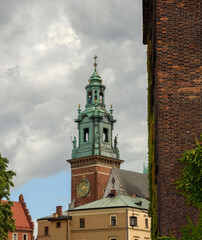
column 96, row 159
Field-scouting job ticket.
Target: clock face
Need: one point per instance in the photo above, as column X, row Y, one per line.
column 83, row 188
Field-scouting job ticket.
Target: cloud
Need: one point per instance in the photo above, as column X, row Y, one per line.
column 46, row 60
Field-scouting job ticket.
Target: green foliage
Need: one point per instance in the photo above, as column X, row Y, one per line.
column 190, row 186
column 190, row 182
column 6, row 221
column 189, row 232
column 151, row 142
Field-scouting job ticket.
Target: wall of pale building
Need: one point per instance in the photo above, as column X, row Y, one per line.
column 97, row 224
column 54, row 232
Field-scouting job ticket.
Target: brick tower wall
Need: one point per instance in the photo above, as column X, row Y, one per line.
column 96, row 175
column 175, row 34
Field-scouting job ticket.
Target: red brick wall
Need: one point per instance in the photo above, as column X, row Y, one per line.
column 96, row 175
column 177, row 102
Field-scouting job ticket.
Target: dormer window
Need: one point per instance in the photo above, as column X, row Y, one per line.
column 86, row 135
column 90, row 97
column 105, row 135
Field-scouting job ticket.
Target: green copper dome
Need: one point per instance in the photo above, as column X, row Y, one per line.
column 95, row 123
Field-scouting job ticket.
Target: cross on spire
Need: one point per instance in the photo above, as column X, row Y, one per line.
column 95, row 63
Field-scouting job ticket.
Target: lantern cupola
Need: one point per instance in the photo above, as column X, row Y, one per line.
column 95, row 123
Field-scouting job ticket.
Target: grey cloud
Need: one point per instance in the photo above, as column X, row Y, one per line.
column 47, row 59
column 104, row 20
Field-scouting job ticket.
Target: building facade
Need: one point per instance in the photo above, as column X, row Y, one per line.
column 54, row 226
column 96, row 151
column 110, row 219
column 96, row 210
column 172, row 31
column 24, row 226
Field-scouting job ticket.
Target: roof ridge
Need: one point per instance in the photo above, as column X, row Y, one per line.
column 26, row 211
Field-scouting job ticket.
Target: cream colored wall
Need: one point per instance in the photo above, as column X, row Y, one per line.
column 140, row 232
column 54, row 232
column 41, row 225
column 97, row 225
column 59, row 233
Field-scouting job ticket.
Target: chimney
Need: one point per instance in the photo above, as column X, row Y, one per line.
column 113, row 193
column 133, row 195
column 59, row 210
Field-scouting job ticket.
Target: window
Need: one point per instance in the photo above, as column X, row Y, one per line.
column 146, row 223
column 15, row 236
column 95, row 96
column 25, row 236
column 89, row 97
column 105, row 135
column 46, row 231
column 133, row 221
column 113, row 221
column 58, row 224
column 86, row 134
column 101, row 97
column 82, row 222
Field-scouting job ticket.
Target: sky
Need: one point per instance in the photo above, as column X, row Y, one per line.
column 47, row 51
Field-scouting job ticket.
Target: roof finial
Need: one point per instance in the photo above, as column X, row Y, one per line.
column 95, row 64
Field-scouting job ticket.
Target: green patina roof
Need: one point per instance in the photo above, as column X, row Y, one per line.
column 116, row 202
column 95, row 123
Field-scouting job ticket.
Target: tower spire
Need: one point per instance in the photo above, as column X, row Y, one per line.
column 95, row 64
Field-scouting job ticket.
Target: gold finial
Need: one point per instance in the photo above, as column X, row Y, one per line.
column 83, row 175
column 111, row 105
column 95, row 64
column 79, row 106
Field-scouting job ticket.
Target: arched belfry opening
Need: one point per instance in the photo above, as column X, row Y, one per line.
column 89, row 97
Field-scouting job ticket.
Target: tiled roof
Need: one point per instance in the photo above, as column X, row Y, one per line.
column 116, row 202
column 21, row 221
column 134, row 182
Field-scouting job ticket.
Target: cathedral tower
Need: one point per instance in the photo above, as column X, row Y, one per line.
column 97, row 152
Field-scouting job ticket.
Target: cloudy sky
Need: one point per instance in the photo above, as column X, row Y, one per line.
column 47, row 50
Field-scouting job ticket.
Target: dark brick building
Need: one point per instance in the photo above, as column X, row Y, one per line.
column 172, row 31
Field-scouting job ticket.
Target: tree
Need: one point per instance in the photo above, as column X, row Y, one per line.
column 6, row 221
column 190, row 182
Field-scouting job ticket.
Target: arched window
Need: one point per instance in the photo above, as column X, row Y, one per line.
column 101, row 97
column 86, row 135
column 90, row 97
column 105, row 135
column 95, row 96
